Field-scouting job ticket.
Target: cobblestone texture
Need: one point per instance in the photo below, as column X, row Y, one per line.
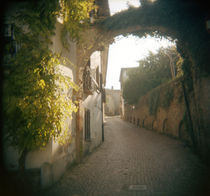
column 135, row 156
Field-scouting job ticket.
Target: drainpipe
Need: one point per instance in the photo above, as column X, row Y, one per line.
column 102, row 107
column 102, row 110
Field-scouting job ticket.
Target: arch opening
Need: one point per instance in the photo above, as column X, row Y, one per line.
column 127, row 51
column 183, row 22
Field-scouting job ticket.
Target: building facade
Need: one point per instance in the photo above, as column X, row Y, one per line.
column 52, row 161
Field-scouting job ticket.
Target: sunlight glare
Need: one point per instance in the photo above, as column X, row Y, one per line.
column 127, row 51
column 120, row 5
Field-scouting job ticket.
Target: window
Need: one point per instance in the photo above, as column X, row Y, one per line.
column 87, row 125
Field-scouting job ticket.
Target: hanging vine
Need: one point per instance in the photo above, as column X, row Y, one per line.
column 76, row 17
column 37, row 95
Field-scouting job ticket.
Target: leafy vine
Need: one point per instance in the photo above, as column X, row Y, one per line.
column 37, row 95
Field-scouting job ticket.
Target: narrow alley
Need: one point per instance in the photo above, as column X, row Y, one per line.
column 134, row 161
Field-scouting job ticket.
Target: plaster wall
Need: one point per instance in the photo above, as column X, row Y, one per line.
column 93, row 103
column 63, row 155
column 55, row 151
column 57, row 46
column 96, row 60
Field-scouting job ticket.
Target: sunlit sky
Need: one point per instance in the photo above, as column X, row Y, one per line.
column 127, row 51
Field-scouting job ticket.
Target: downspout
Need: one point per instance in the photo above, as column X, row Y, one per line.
column 102, row 106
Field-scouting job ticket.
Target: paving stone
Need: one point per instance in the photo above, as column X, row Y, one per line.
column 131, row 159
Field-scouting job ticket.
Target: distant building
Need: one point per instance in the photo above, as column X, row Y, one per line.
column 112, row 104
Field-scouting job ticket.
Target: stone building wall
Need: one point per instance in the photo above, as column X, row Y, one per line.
column 162, row 110
column 169, row 110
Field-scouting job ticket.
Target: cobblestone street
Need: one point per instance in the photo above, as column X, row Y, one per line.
column 135, row 161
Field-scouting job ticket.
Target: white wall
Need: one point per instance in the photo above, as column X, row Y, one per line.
column 93, row 103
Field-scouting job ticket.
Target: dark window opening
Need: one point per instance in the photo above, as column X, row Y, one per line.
column 87, row 125
column 97, row 75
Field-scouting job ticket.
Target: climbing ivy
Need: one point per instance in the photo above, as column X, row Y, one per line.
column 154, row 101
column 36, row 110
column 153, row 71
column 37, row 95
column 76, row 17
column 167, row 96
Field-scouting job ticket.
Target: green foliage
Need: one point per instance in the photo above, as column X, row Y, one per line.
column 183, row 21
column 37, row 105
column 167, row 96
column 153, row 71
column 75, row 14
column 154, row 101
column 37, row 95
column 160, row 97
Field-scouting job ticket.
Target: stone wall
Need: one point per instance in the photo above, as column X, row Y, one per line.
column 93, row 103
column 162, row 110
column 176, row 110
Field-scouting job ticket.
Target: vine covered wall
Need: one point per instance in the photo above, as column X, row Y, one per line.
column 170, row 109
column 159, row 112
column 34, row 88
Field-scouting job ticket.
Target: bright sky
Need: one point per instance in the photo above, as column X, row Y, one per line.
column 119, row 5
column 126, row 51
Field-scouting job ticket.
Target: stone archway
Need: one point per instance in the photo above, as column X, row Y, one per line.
column 177, row 19
column 184, row 21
